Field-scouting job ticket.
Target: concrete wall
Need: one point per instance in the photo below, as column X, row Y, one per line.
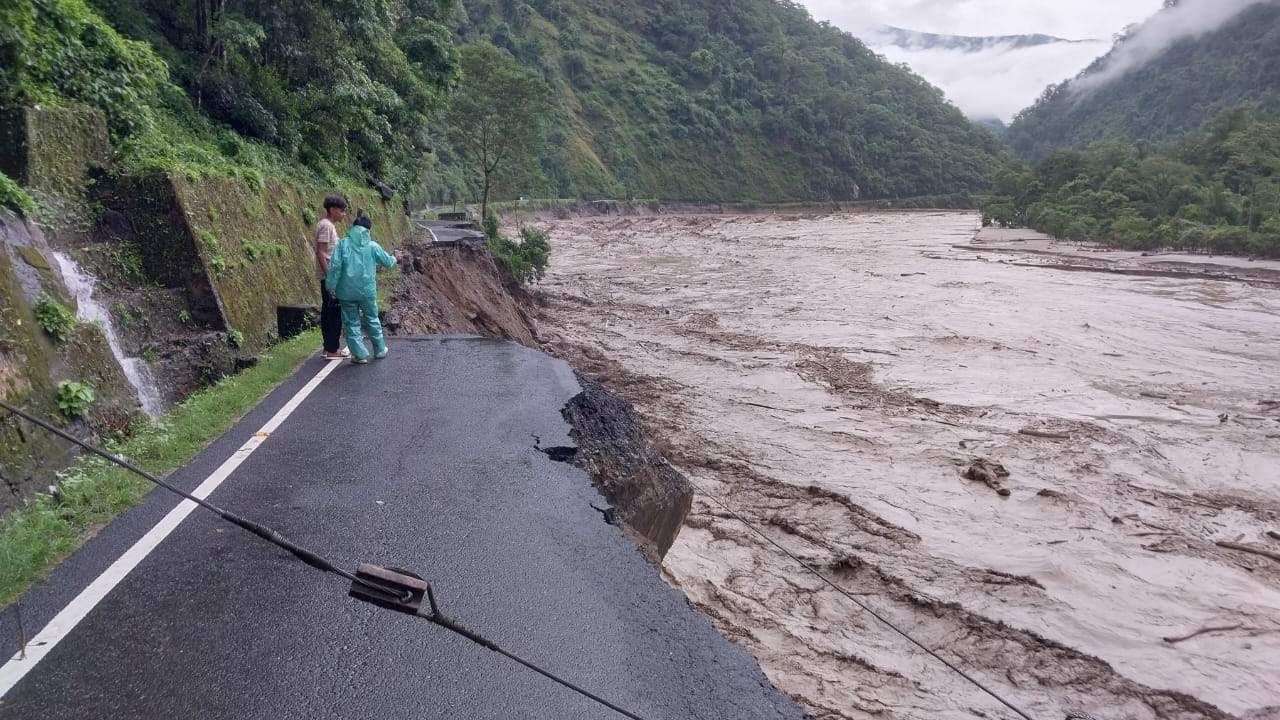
column 256, row 245
column 238, row 251
column 50, row 150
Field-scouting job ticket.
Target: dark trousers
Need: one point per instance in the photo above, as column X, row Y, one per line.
column 330, row 319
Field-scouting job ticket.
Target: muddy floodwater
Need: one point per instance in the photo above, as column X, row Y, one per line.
column 855, row 384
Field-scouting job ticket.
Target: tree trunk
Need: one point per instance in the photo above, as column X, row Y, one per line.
column 204, row 11
column 484, row 202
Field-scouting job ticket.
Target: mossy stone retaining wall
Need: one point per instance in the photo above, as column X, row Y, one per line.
column 27, row 457
column 52, row 149
column 256, row 246
column 240, row 251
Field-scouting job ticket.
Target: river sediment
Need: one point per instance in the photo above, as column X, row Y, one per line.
column 835, row 379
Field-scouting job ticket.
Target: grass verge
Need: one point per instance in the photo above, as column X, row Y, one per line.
column 42, row 533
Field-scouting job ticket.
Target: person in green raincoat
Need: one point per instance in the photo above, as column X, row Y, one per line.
column 353, row 279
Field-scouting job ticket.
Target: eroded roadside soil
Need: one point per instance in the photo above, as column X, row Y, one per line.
column 835, row 378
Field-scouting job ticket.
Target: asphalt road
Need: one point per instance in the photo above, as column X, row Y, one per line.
column 445, row 232
column 425, row 461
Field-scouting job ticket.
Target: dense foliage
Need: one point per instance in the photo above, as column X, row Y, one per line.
column 55, row 318
column 1175, row 94
column 1217, row 191
column 497, row 117
column 345, row 86
column 74, row 398
column 677, row 99
column 721, row 100
column 287, row 87
column 13, row 197
column 527, row 259
column 56, row 49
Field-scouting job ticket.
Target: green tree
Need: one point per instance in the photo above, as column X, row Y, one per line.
column 345, row 89
column 498, row 114
column 1217, row 191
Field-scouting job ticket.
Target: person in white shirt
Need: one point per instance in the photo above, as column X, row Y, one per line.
column 326, row 239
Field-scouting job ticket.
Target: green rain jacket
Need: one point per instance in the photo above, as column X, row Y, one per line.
column 353, row 269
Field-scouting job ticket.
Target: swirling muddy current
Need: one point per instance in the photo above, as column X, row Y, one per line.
column 1057, row 466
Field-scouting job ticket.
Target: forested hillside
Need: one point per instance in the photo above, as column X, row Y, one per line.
column 672, row 99
column 725, row 99
column 1216, row 191
column 1176, row 93
column 295, row 90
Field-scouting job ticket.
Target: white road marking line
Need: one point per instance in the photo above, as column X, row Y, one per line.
column 75, row 611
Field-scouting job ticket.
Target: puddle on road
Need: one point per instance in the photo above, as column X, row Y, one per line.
column 832, row 377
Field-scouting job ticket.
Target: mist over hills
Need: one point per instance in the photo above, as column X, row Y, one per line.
column 913, row 39
column 1163, row 78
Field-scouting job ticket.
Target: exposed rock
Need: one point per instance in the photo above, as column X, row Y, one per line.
column 32, row 365
column 650, row 497
column 990, row 473
column 33, row 257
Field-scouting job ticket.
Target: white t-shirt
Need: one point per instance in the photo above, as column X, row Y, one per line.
column 326, row 240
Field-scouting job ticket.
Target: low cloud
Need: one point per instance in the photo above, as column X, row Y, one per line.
column 999, row 80
column 1072, row 19
column 1147, row 41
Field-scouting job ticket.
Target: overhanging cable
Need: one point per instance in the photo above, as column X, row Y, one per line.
column 315, row 560
column 863, row 605
column 311, row 558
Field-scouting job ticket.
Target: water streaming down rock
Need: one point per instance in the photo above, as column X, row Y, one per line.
column 81, row 285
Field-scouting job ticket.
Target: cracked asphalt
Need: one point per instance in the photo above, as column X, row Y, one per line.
column 425, row 461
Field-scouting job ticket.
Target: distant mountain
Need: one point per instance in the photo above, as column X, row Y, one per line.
column 725, row 100
column 1160, row 81
column 914, row 40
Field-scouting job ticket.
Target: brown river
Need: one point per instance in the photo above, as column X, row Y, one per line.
column 858, row 384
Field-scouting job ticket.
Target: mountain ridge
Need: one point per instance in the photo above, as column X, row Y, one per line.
column 748, row 100
column 1167, row 97
column 918, row 40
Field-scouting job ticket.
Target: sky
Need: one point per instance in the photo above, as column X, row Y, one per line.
column 1000, row 81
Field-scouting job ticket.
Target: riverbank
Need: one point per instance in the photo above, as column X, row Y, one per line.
column 834, row 378
column 1028, row 248
column 552, row 208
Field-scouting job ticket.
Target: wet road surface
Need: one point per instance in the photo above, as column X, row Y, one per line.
column 425, row 461
column 834, row 377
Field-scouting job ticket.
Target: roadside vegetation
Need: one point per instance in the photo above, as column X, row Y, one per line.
column 55, row 319
column 13, row 197
column 526, row 259
column 1217, row 191
column 297, row 90
column 49, row 527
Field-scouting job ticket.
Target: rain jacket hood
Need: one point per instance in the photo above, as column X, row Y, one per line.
column 353, row 270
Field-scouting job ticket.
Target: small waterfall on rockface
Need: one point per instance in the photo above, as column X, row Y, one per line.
column 81, row 286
